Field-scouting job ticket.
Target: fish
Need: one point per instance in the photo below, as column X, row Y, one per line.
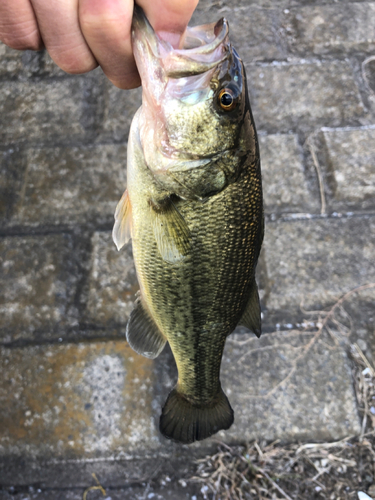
column 193, row 209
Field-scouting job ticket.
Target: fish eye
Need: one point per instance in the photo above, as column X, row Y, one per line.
column 226, row 99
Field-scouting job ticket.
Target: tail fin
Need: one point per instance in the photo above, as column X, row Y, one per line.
column 184, row 422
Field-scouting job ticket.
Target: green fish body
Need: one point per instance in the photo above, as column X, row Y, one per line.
column 193, row 208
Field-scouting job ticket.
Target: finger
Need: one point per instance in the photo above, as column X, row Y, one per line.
column 18, row 25
column 106, row 26
column 59, row 26
column 169, row 17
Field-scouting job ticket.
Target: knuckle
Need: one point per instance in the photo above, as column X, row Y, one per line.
column 104, row 21
column 74, row 65
column 71, row 55
column 22, row 41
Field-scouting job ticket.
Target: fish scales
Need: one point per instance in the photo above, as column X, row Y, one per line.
column 197, row 232
column 184, row 302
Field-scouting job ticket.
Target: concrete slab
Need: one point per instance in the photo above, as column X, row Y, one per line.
column 38, row 283
column 305, row 95
column 10, row 61
column 314, row 262
column 75, row 401
column 169, row 492
column 68, row 185
column 322, row 29
column 31, row 110
column 68, row 409
column 253, row 29
column 119, row 108
column 12, row 168
column 290, row 386
column 369, row 75
column 112, row 284
column 285, row 184
column 349, row 168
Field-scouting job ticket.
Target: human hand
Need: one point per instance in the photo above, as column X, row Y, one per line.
column 82, row 34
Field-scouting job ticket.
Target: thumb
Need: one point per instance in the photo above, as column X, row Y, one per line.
column 169, row 17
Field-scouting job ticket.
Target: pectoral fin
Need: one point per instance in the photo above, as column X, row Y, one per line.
column 142, row 332
column 170, row 230
column 121, row 233
column 251, row 317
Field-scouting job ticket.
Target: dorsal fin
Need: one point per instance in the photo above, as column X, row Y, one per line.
column 121, row 233
column 251, row 317
column 142, row 333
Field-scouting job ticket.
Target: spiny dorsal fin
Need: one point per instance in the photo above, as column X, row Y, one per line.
column 251, row 317
column 142, row 332
column 170, row 230
column 121, row 233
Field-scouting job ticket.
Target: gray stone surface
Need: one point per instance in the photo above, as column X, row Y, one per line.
column 304, row 95
column 65, row 401
column 368, row 67
column 168, row 492
column 10, row 61
column 350, row 168
column 38, row 282
column 71, row 185
column 314, row 262
column 222, row 5
column 112, row 283
column 97, row 400
column 119, row 108
column 12, row 167
column 156, row 471
column 42, row 110
column 253, row 30
column 304, row 394
column 285, row 187
column 27, row 63
column 322, row 29
column 46, row 65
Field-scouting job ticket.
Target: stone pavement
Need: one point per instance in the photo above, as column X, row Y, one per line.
column 74, row 398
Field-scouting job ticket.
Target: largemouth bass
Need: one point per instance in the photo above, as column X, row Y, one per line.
column 193, row 208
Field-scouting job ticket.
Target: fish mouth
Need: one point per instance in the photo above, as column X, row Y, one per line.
column 178, row 88
column 201, row 48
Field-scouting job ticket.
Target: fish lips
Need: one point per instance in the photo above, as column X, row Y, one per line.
column 202, row 48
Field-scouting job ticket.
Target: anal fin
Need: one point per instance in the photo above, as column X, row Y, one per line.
column 121, row 233
column 142, row 333
column 251, row 317
column 170, row 230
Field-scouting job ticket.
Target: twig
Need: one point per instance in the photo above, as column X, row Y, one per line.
column 260, row 453
column 318, row 173
column 364, row 74
column 349, row 463
column 316, row 336
column 335, row 444
column 364, row 421
column 320, row 473
column 264, row 473
column 98, row 487
column 270, row 348
column 364, row 359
